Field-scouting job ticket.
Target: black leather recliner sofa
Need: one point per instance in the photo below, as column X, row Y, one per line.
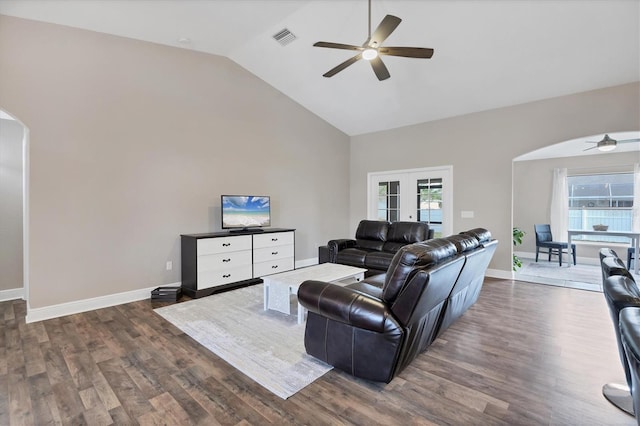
column 621, row 292
column 630, row 336
column 375, row 244
column 477, row 246
column 373, row 329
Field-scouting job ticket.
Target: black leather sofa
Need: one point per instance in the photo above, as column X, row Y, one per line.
column 477, row 247
column 375, row 244
column 373, row 329
column 620, row 292
column 630, row 336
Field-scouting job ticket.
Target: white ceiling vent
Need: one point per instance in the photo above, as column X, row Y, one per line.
column 284, row 37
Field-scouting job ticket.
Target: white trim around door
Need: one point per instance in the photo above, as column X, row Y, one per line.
column 402, row 194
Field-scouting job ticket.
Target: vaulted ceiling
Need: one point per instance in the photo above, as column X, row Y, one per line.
column 488, row 54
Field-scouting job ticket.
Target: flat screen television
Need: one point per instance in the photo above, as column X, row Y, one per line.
column 241, row 212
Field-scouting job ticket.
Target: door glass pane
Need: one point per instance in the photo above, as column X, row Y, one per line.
column 429, row 203
column 389, row 200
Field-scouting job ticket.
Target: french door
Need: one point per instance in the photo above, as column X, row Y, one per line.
column 419, row 195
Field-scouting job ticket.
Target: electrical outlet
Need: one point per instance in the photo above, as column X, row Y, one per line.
column 169, row 265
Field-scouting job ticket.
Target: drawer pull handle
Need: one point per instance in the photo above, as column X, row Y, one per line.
column 274, row 253
column 226, row 260
column 226, row 244
column 274, row 267
column 274, row 239
column 226, row 275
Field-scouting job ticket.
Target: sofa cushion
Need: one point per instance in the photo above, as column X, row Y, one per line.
column 370, row 244
column 403, row 233
column 481, row 234
column 372, row 234
column 409, row 260
column 463, row 242
column 367, row 288
column 372, row 230
column 614, row 266
column 375, row 280
column 607, row 252
column 352, row 257
column 379, row 260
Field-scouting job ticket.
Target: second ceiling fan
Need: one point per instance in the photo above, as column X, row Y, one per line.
column 609, row 144
column 372, row 48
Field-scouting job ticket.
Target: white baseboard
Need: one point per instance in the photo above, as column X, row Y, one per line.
column 11, row 294
column 77, row 306
column 544, row 256
column 499, row 273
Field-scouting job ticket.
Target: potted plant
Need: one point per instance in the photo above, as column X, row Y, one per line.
column 518, row 234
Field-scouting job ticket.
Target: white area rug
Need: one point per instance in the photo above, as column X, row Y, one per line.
column 585, row 277
column 267, row 346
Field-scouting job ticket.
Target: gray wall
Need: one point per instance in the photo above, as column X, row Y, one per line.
column 11, row 137
column 532, row 185
column 481, row 148
column 132, row 143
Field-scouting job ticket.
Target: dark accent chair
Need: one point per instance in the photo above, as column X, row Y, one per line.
column 544, row 240
column 374, row 328
column 630, row 336
column 375, row 244
column 620, row 291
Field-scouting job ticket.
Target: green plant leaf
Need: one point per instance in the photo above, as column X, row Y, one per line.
column 518, row 235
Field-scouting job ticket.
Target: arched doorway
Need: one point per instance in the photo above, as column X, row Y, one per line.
column 532, row 183
column 14, row 139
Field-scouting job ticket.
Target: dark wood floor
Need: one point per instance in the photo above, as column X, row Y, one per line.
column 524, row 354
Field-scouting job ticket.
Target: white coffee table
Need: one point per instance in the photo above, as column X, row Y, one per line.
column 278, row 287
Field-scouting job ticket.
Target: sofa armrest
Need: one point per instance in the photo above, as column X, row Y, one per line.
column 336, row 245
column 346, row 306
column 323, row 254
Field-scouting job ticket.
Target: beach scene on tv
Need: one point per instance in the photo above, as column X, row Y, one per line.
column 245, row 212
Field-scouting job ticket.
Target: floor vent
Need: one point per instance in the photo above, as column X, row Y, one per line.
column 284, row 37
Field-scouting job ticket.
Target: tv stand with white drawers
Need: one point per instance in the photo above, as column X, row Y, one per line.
column 218, row 261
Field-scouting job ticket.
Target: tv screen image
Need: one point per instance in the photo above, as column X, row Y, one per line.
column 245, row 211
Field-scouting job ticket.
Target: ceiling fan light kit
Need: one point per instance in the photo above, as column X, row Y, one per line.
column 606, row 146
column 372, row 48
column 609, row 144
column 369, row 54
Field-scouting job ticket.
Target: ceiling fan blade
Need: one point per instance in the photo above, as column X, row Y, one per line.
column 407, row 52
column 629, row 140
column 593, row 147
column 379, row 68
column 384, row 30
column 335, row 70
column 337, row 45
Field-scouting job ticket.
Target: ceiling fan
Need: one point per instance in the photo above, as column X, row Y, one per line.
column 609, row 144
column 372, row 49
